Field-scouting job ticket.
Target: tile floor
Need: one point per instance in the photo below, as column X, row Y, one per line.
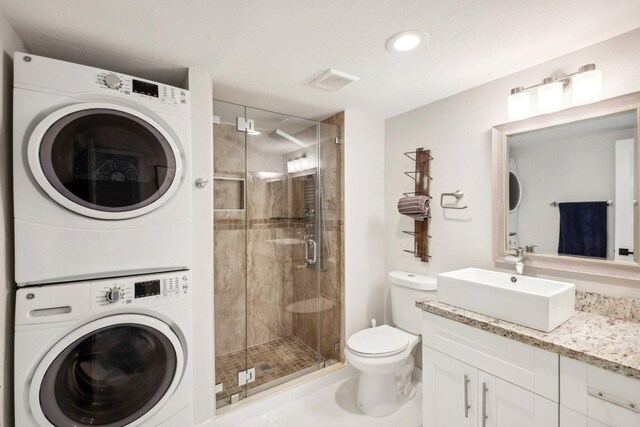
column 335, row 405
column 273, row 360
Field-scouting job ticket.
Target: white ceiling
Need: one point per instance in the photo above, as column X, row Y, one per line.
column 263, row 52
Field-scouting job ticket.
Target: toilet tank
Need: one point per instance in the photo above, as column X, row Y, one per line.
column 406, row 288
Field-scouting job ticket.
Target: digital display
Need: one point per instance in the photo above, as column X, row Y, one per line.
column 145, row 88
column 148, row 288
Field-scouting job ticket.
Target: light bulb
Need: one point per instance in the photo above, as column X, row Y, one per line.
column 304, row 163
column 587, row 85
column 549, row 96
column 518, row 105
column 296, row 164
column 290, row 166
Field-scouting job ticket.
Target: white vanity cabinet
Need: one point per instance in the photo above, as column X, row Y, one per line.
column 594, row 397
column 457, row 395
column 476, row 378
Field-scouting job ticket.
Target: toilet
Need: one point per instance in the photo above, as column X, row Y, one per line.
column 382, row 354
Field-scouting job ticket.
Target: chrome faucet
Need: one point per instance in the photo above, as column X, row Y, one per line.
column 519, row 258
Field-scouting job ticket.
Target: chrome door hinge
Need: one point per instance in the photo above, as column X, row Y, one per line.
column 215, row 120
column 245, row 125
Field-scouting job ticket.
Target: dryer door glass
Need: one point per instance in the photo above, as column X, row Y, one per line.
column 109, row 377
column 107, row 160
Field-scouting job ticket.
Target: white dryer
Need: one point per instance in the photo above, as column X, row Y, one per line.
column 110, row 352
column 101, row 174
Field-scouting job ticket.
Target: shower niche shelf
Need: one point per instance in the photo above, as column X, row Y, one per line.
column 229, row 194
column 421, row 176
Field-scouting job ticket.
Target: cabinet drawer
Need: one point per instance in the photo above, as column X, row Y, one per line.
column 528, row 367
column 601, row 395
column 570, row 418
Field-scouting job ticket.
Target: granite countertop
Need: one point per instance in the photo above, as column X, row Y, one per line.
column 609, row 342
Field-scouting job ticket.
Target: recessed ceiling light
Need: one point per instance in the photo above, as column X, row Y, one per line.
column 407, row 40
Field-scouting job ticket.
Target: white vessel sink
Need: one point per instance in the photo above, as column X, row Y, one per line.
column 528, row 301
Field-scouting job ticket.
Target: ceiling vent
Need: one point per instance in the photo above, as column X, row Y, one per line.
column 333, row 80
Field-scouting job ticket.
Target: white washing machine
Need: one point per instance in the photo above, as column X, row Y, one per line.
column 101, row 179
column 110, row 352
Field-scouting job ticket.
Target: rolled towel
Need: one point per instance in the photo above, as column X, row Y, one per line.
column 416, row 207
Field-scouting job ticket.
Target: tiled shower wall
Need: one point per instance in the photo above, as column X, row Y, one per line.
column 280, row 295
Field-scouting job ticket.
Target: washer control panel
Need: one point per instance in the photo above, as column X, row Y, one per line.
column 141, row 290
column 143, row 90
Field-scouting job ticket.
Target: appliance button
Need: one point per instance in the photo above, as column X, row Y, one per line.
column 112, row 81
column 114, row 295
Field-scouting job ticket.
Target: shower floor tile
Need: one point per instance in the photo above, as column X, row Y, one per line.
column 273, row 360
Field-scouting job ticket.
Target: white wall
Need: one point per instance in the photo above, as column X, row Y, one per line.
column 458, row 132
column 364, row 221
column 9, row 43
column 199, row 85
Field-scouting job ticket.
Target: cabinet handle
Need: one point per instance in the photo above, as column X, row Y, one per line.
column 484, row 404
column 600, row 395
column 466, row 397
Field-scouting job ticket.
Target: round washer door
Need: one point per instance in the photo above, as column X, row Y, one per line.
column 104, row 160
column 110, row 372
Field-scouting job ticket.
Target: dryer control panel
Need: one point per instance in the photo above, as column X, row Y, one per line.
column 143, row 90
column 141, row 290
column 59, row 77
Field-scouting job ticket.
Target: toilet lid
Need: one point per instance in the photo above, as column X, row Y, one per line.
column 380, row 341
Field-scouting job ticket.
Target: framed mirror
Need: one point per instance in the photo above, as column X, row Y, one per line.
column 565, row 188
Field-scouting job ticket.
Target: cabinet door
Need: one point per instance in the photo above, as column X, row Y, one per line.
column 450, row 398
column 503, row 404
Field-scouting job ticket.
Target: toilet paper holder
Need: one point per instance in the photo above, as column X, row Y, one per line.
column 457, row 194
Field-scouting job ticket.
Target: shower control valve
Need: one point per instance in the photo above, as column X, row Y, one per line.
column 114, row 294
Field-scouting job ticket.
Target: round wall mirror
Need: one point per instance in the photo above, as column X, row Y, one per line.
column 515, row 193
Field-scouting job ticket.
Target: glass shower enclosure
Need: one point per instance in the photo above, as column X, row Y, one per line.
column 277, row 248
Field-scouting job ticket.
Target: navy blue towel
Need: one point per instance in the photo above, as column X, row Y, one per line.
column 583, row 229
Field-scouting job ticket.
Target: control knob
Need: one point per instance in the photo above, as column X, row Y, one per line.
column 114, row 294
column 112, row 81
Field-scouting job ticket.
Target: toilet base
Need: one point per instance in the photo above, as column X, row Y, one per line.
column 381, row 395
column 377, row 394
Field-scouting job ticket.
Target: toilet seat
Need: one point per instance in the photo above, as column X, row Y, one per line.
column 378, row 342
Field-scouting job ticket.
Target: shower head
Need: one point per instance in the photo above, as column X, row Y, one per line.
column 278, row 134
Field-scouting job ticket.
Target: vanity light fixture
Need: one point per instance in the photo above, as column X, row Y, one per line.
column 299, row 164
column 587, row 87
column 406, row 41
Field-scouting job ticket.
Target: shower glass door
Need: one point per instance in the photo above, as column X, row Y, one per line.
column 284, row 324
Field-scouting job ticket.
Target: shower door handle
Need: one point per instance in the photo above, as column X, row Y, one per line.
column 307, row 260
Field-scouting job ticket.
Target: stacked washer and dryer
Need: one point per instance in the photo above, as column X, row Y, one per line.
column 102, row 205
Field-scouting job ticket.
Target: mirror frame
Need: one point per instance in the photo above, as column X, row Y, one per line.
column 500, row 182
